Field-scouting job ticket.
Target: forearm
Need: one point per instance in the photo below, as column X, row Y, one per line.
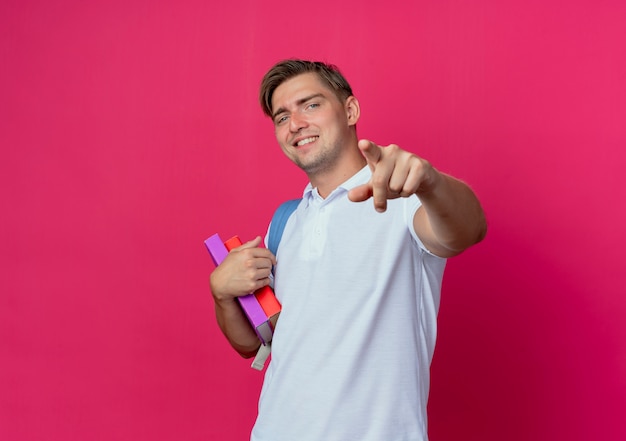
column 244, row 270
column 452, row 218
column 235, row 326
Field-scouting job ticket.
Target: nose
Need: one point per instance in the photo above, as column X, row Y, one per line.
column 297, row 122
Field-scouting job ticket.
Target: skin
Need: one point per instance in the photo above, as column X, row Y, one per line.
column 306, row 109
column 317, row 131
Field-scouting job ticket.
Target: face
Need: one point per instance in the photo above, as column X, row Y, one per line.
column 313, row 127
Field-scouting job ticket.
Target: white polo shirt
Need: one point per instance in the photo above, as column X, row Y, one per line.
column 352, row 348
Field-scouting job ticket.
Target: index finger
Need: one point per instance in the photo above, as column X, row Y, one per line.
column 370, row 151
column 381, row 172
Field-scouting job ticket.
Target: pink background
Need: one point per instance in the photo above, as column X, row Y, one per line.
column 130, row 132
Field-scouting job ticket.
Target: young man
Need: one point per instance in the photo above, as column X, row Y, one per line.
column 359, row 280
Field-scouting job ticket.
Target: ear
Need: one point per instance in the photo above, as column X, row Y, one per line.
column 353, row 110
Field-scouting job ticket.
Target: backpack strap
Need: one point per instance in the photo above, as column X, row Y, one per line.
column 279, row 220
column 277, row 226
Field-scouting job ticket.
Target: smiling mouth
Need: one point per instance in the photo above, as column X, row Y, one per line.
column 305, row 141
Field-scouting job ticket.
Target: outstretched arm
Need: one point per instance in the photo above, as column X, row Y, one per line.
column 244, row 270
column 450, row 219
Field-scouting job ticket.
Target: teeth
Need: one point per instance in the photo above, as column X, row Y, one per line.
column 306, row 141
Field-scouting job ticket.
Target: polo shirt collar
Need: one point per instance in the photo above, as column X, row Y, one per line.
column 359, row 178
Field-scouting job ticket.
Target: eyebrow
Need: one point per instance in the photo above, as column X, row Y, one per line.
column 298, row 103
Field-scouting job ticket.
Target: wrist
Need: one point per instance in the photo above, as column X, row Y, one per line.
column 431, row 183
column 220, row 297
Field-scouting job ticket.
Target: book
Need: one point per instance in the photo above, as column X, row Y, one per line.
column 265, row 295
column 249, row 303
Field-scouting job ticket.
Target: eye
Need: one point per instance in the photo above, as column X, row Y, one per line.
column 280, row 119
column 312, row 106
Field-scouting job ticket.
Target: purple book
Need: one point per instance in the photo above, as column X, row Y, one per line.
column 249, row 303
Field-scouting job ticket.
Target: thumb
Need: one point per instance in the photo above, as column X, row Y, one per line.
column 360, row 193
column 251, row 243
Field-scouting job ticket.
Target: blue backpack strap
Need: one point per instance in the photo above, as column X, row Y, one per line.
column 279, row 220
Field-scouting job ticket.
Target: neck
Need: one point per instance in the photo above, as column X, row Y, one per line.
column 329, row 180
